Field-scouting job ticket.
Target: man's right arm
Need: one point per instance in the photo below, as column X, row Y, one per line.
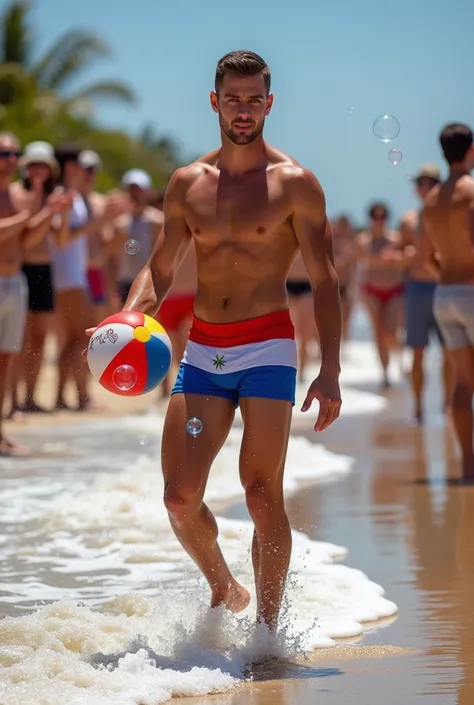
column 155, row 279
column 14, row 225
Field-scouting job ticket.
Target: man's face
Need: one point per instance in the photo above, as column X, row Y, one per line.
column 137, row 194
column 242, row 104
column 423, row 186
column 9, row 153
column 89, row 177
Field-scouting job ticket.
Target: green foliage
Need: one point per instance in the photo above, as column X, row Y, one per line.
column 36, row 105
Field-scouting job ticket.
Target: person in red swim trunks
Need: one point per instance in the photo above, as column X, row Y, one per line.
column 383, row 276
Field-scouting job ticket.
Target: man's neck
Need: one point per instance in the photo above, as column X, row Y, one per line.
column 5, row 183
column 458, row 169
column 239, row 158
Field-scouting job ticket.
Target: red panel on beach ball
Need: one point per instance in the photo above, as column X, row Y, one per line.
column 134, row 355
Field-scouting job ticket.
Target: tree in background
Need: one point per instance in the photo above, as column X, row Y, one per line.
column 35, row 102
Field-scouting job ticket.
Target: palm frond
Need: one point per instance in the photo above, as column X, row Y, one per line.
column 103, row 90
column 71, row 53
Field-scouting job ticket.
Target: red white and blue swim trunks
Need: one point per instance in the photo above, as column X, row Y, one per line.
column 253, row 358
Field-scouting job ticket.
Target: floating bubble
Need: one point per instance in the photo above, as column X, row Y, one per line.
column 105, row 533
column 143, row 440
column 351, row 109
column 141, row 497
column 395, row 156
column 124, row 377
column 386, row 128
column 131, row 247
column 194, row 426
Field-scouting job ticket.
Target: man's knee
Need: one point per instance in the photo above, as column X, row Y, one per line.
column 182, row 501
column 264, row 501
column 462, row 394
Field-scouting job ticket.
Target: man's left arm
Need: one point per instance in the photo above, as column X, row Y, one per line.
column 313, row 232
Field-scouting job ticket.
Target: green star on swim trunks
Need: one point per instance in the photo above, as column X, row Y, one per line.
column 219, row 362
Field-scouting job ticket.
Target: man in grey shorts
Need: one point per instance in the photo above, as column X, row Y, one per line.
column 19, row 229
column 448, row 240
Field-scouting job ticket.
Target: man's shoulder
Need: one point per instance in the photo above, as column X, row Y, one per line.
column 19, row 195
column 296, row 179
column 190, row 172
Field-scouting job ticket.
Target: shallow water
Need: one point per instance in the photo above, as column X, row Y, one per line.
column 83, row 524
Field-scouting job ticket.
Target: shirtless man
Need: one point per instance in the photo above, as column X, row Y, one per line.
column 383, row 282
column 21, row 227
column 345, row 261
column 300, row 296
column 248, row 208
column 419, row 292
column 448, row 234
column 176, row 311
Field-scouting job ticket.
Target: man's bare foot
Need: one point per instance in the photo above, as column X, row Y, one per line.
column 90, row 405
column 16, row 415
column 31, row 407
column 8, row 449
column 62, row 406
column 236, row 599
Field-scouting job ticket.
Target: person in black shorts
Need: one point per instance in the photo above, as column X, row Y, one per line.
column 300, row 297
column 40, row 171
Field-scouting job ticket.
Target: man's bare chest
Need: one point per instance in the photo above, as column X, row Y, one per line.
column 236, row 210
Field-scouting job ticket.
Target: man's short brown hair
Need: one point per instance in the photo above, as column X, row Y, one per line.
column 243, row 63
column 456, row 140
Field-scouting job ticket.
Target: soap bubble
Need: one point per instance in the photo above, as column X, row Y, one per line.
column 194, row 426
column 141, row 497
column 131, row 247
column 143, row 440
column 386, row 128
column 124, row 378
column 395, row 156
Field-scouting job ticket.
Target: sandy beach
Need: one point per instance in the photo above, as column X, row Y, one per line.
column 406, row 522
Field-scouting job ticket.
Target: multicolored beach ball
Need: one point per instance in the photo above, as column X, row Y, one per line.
column 129, row 353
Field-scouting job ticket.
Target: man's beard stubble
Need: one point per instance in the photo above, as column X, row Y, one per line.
column 227, row 129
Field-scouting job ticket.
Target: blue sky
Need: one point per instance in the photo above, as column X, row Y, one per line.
column 336, row 65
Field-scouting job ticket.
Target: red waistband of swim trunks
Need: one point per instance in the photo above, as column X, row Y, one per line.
column 272, row 326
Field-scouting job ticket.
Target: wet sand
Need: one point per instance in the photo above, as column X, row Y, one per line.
column 409, row 524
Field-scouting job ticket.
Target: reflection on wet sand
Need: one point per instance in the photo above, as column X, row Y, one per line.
column 409, row 524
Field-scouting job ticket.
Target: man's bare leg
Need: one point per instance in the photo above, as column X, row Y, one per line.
column 417, row 379
column 262, row 461
column 186, row 462
column 7, row 448
column 37, row 328
column 462, row 361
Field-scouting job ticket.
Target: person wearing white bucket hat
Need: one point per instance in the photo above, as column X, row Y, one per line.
column 40, row 172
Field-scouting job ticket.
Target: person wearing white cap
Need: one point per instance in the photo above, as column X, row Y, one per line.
column 135, row 233
column 40, row 172
column 419, row 291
